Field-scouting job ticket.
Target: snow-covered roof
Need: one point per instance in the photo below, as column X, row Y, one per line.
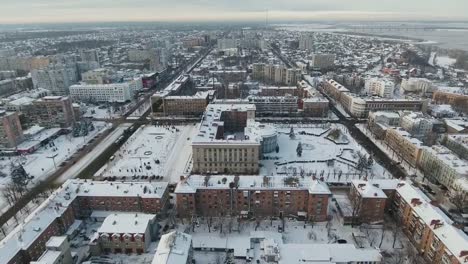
column 249, row 182
column 173, row 248
column 32, row 227
column 211, row 121
column 454, row 239
column 327, row 254
column 368, row 190
column 56, row 241
column 451, row 160
column 132, row 223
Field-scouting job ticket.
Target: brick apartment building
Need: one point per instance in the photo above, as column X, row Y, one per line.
column 432, row 233
column 246, row 196
column 51, row 111
column 76, row 199
column 368, row 202
column 125, row 233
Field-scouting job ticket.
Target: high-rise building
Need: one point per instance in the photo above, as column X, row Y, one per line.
column 322, row 61
column 11, row 133
column 306, row 42
column 51, row 111
column 91, row 55
column 57, row 79
column 276, row 74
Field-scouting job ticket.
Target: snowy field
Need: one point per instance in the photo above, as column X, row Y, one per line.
column 336, row 160
column 153, row 151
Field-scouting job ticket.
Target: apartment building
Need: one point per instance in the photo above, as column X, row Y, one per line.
column 13, row 63
column 11, row 132
column 51, row 111
column 306, row 42
column 113, row 92
column 315, row 106
column 274, row 105
column 380, row 121
column 359, row 106
column 380, row 87
column 258, row 196
column 77, row 199
column 456, row 100
column 368, row 202
column 57, row 79
column 428, row 228
column 275, row 74
column 421, row 85
column 409, row 149
column 458, row 143
column 322, row 61
column 441, row 165
column 174, row 248
column 193, row 105
column 417, row 124
column 220, row 146
column 91, row 55
column 281, row 91
column 125, row 233
column 57, row 252
column 97, row 76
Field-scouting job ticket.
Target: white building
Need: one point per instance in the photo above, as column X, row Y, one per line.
column 380, row 87
column 114, row 92
column 421, row 85
column 174, row 248
column 323, row 61
column 417, row 124
column 442, row 165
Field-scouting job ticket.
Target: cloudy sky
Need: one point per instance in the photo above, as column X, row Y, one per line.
column 33, row 11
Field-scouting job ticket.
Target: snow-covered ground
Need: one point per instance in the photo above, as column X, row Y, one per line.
column 153, row 150
column 142, row 109
column 40, row 163
column 317, row 150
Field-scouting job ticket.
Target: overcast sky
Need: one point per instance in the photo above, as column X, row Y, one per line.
column 32, row 11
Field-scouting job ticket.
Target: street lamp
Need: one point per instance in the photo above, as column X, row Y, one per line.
column 53, row 159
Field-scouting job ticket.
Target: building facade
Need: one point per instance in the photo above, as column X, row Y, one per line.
column 11, row 132
column 409, row 149
column 114, row 92
column 258, row 196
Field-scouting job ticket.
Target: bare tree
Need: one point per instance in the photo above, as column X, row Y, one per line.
column 459, row 197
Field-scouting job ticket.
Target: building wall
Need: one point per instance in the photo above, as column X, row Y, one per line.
column 316, row 109
column 11, row 132
column 259, row 203
column 184, row 107
column 403, row 147
column 52, row 112
column 226, row 158
column 369, row 210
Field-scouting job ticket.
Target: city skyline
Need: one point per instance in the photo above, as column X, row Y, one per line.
column 53, row 11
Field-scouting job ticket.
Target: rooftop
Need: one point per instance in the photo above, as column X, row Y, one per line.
column 132, row 223
column 368, row 190
column 278, row 182
column 173, row 248
column 32, row 227
column 454, row 239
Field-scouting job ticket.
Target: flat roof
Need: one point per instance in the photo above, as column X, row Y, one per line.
column 131, row 223
column 252, row 182
column 173, row 248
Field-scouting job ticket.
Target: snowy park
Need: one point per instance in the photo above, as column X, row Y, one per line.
column 152, row 153
column 325, row 151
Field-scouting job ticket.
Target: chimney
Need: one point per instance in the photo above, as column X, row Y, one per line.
column 464, row 253
column 361, row 185
column 400, row 184
column 415, row 201
column 182, row 178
